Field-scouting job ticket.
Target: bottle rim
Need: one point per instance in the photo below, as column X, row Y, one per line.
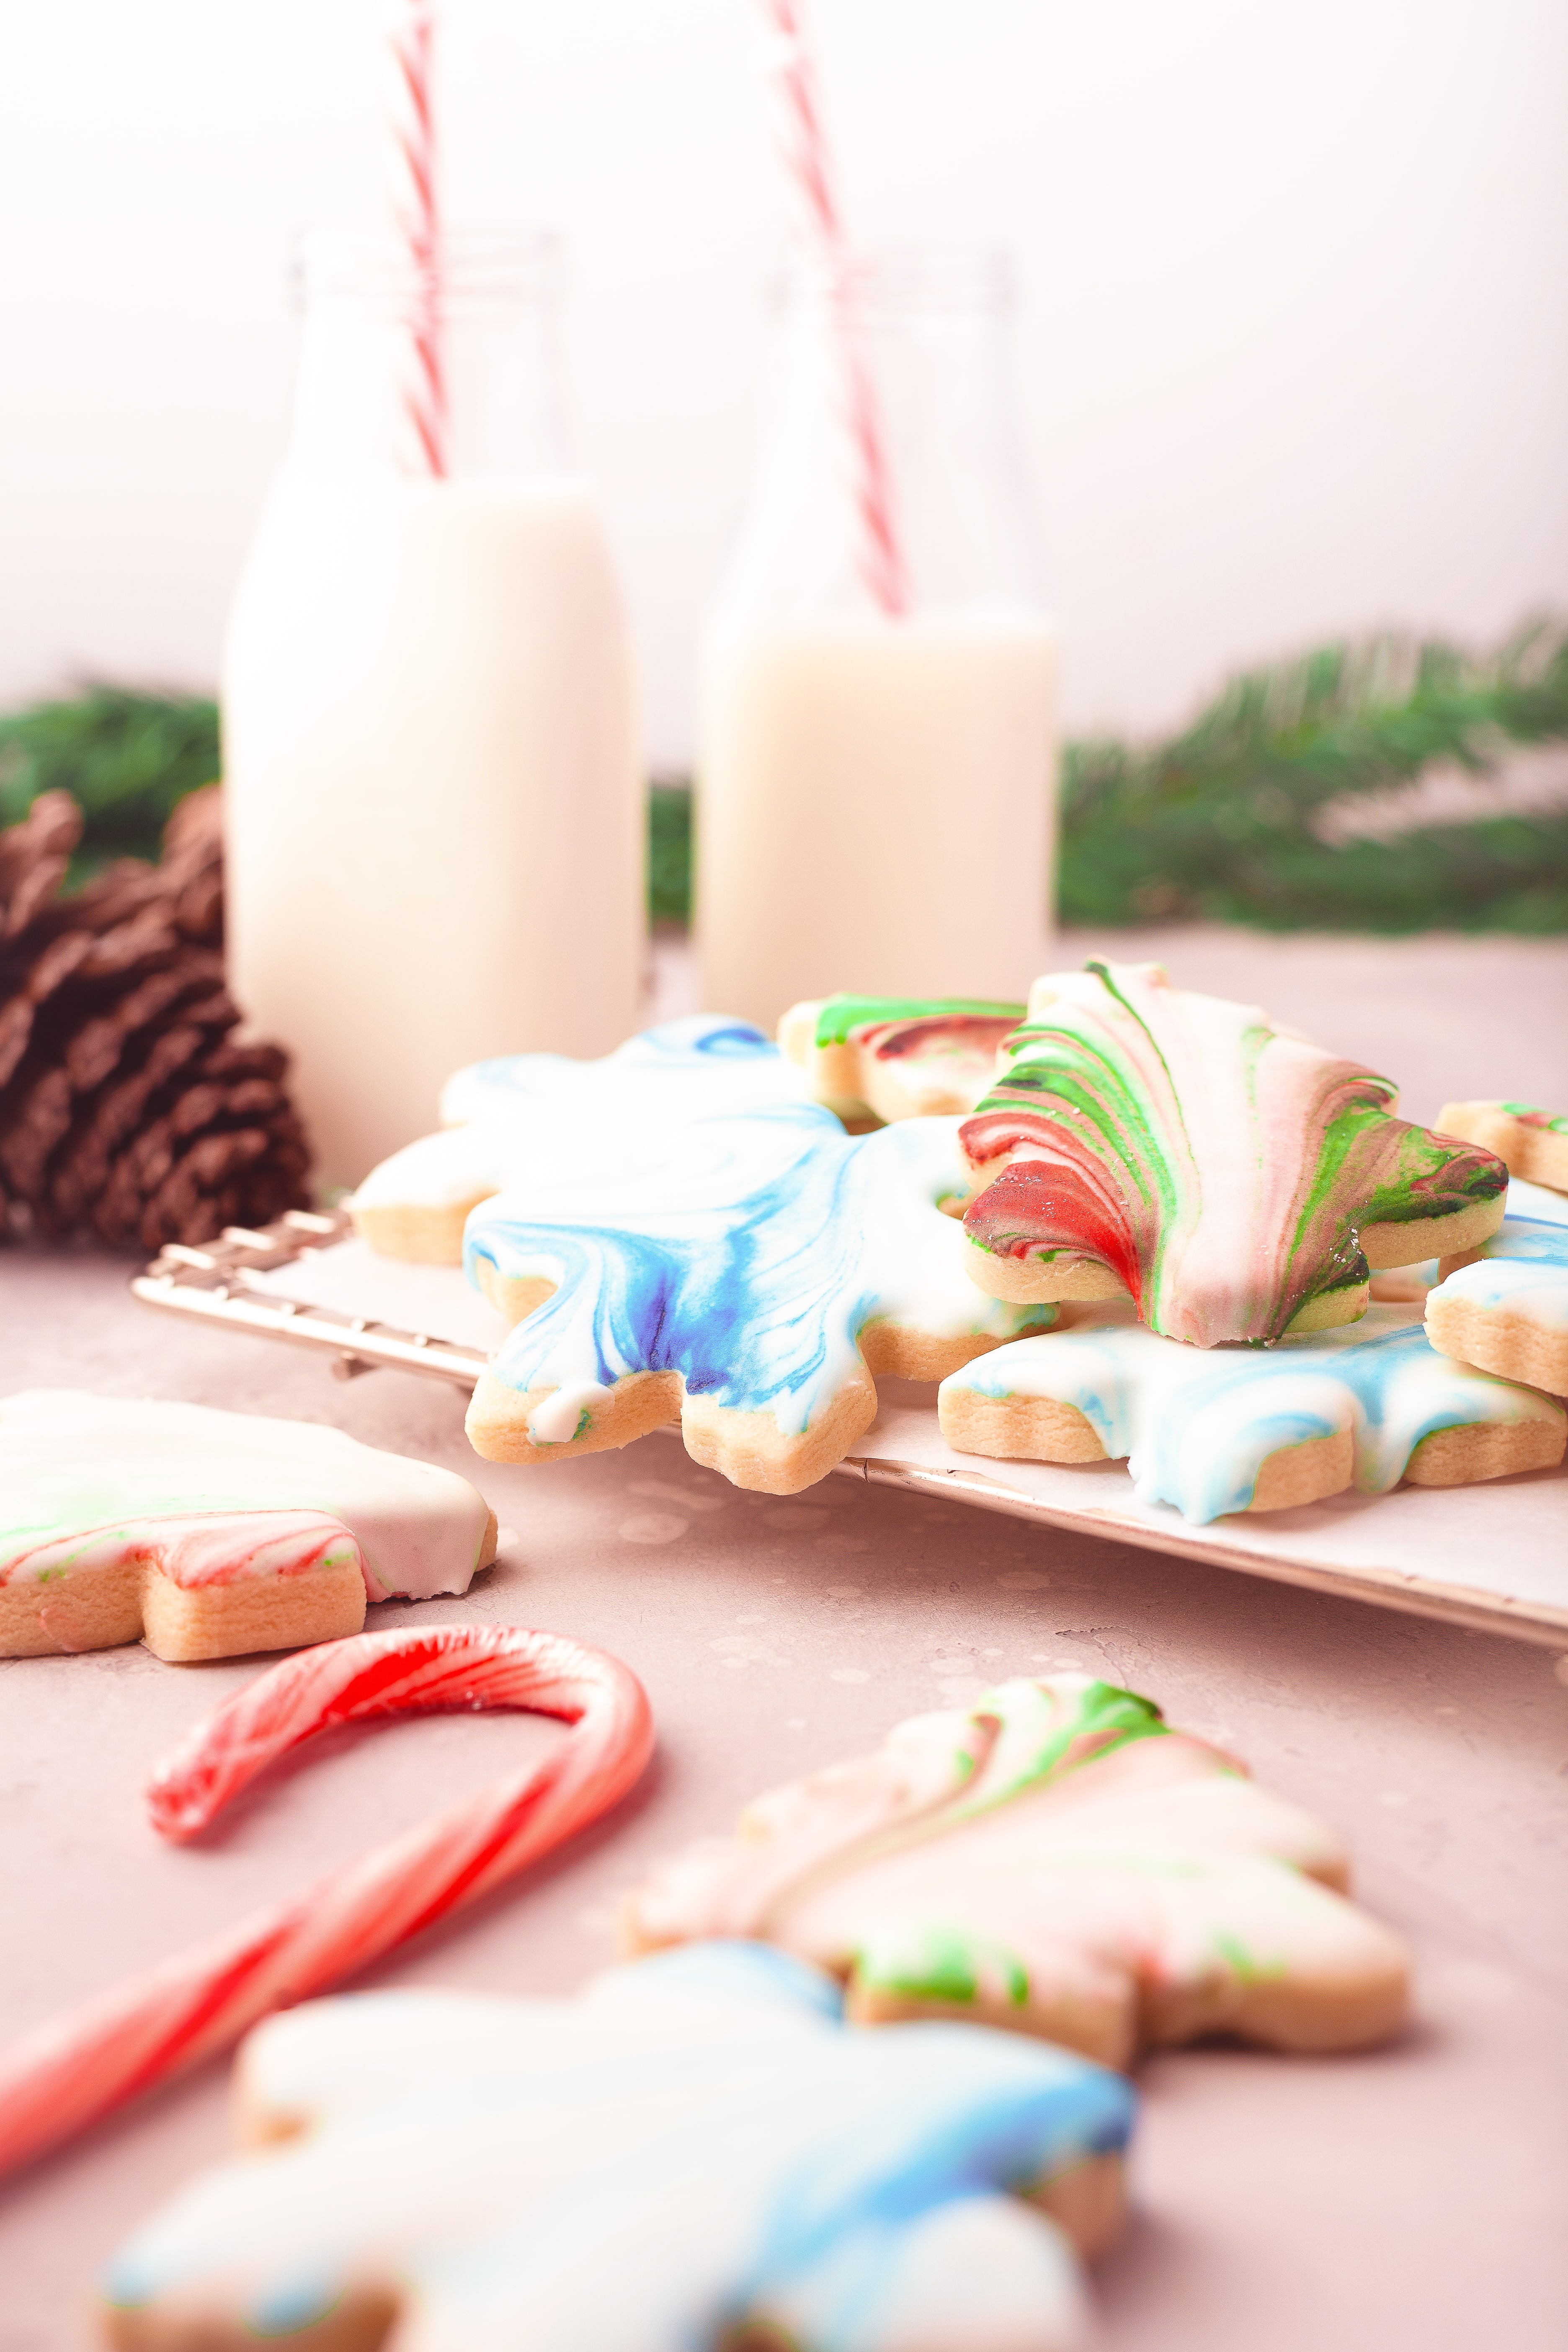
column 915, row 277
column 344, row 265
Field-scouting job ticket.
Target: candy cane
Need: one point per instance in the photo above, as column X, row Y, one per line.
column 72, row 2071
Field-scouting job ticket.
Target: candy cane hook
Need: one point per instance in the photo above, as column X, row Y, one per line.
column 77, row 2068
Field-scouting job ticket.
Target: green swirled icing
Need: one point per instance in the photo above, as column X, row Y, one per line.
column 1224, row 1172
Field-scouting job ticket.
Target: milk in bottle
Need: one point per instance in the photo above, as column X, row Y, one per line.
column 431, row 762
column 876, row 793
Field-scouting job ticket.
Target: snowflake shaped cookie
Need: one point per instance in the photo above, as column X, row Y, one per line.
column 892, row 1057
column 1235, row 1179
column 1213, row 1430
column 696, row 2152
column 752, row 1281
column 212, row 1534
column 1055, row 1860
column 524, row 1118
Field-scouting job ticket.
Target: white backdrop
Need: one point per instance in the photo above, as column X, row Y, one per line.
column 1293, row 354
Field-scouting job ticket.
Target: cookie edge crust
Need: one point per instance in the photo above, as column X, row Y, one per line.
column 1494, row 1339
column 1525, row 1151
column 108, row 1608
column 1041, row 1429
column 416, row 1232
column 1389, row 1244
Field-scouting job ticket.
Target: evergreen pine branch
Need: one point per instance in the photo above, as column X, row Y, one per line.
column 127, row 758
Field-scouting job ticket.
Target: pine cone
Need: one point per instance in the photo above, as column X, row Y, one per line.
column 127, row 1109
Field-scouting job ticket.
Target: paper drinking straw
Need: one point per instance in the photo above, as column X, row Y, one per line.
column 69, row 2073
column 825, row 247
column 413, row 25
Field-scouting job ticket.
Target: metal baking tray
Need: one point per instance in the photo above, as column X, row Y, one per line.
column 1494, row 1557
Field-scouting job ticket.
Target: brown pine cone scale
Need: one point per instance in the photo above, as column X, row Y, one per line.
column 128, row 1109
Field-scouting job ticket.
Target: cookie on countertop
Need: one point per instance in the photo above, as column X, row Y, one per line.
column 526, row 1118
column 754, row 1281
column 211, row 1533
column 1057, row 1860
column 1237, row 1181
column 1217, row 1430
column 893, row 1057
column 695, row 2153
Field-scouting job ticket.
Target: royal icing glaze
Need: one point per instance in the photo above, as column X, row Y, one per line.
column 696, row 2150
column 213, row 1501
column 753, row 1263
column 1196, row 1426
column 525, row 1117
column 893, row 1057
column 1052, row 1858
column 1227, row 1175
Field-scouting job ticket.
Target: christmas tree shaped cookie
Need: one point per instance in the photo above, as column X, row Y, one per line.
column 1235, row 1179
column 1056, row 1860
column 697, row 2153
column 1232, row 1428
column 212, row 1534
column 752, row 1281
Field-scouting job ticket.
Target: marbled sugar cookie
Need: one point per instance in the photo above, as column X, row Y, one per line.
column 892, row 1057
column 1532, row 1142
column 209, row 1534
column 1237, row 1181
column 695, row 2154
column 1056, row 1860
column 752, row 1282
column 1212, row 1431
column 525, row 1117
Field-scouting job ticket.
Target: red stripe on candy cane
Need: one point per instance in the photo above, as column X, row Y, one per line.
column 412, row 31
column 78, row 2068
column 794, row 78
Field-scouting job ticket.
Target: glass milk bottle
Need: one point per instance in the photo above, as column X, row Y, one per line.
column 433, row 783
column 876, row 793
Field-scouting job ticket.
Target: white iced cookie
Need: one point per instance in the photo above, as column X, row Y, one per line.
column 211, row 1533
column 696, row 2153
column 525, row 1118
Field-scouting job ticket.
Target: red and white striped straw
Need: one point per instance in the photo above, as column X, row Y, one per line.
column 69, row 2073
column 820, row 226
column 412, row 28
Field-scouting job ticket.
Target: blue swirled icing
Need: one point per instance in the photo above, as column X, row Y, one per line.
column 705, row 1063
column 697, row 2144
column 1196, row 1424
column 1523, row 1268
column 747, row 1255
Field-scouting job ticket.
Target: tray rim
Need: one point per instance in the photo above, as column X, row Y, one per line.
column 213, row 1284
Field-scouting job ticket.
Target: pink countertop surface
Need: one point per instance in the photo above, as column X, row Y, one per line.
column 1415, row 2195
